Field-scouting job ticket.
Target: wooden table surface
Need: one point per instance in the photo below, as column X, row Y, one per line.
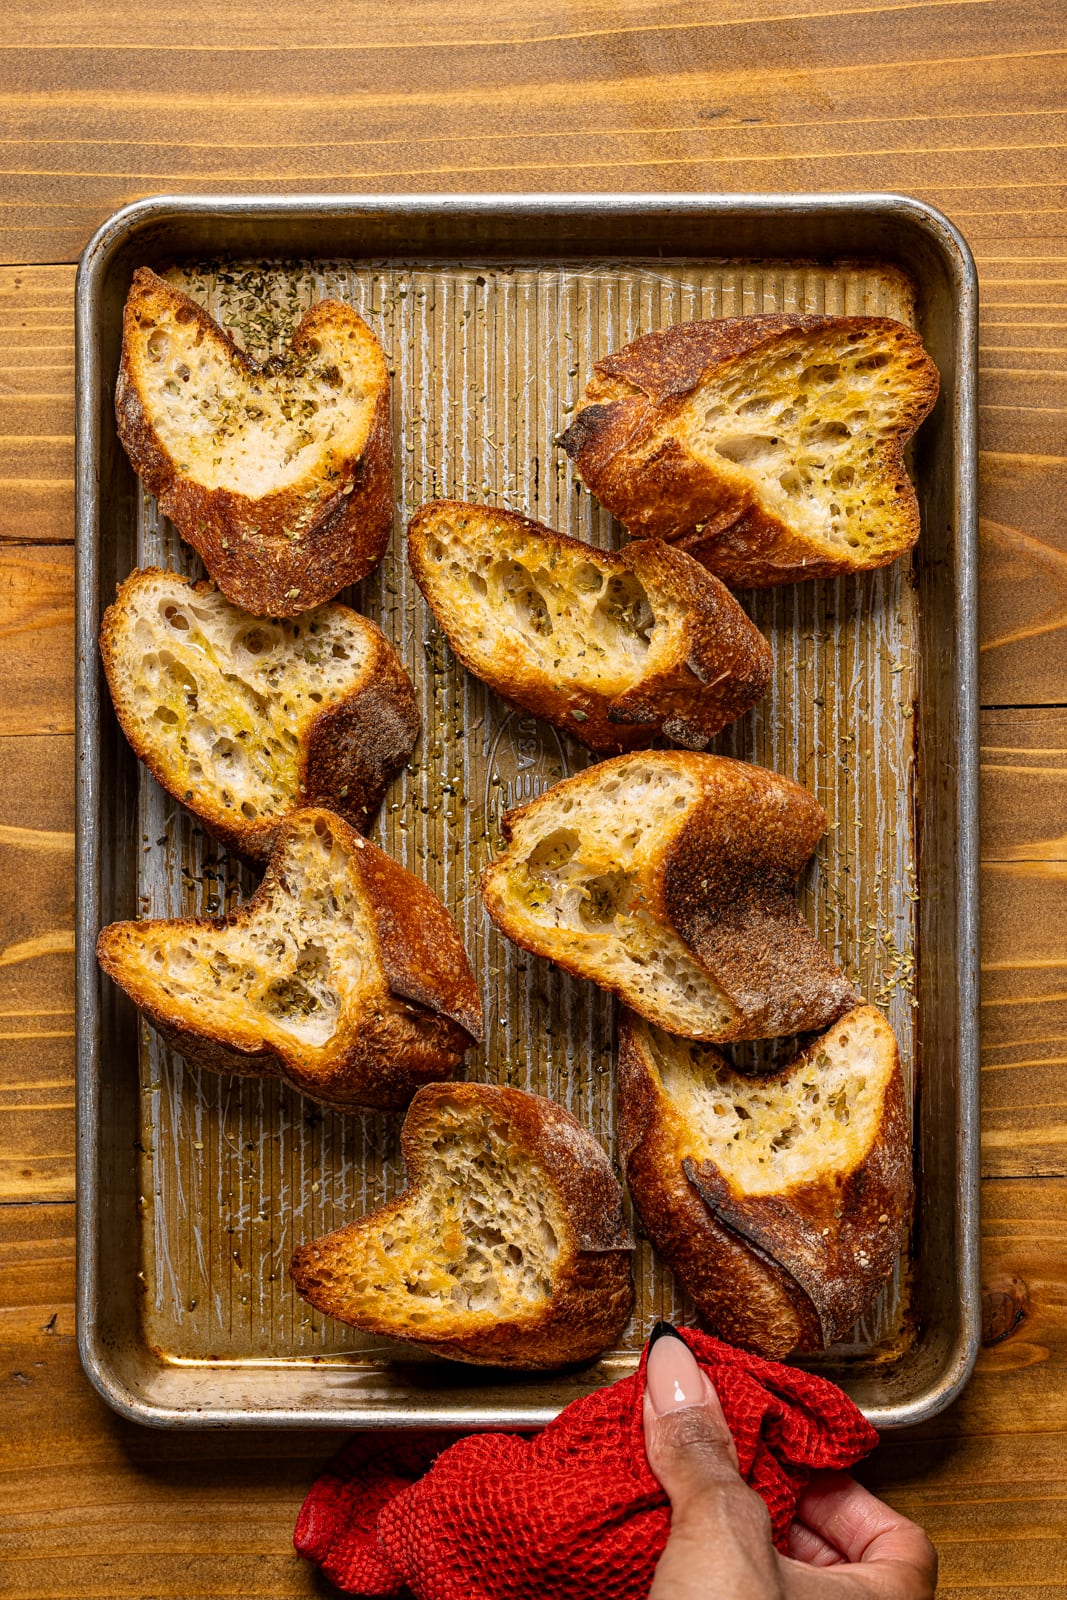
column 960, row 102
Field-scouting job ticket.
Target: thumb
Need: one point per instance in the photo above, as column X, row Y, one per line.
column 719, row 1526
column 687, row 1437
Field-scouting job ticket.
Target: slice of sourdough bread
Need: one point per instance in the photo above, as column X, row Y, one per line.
column 668, row 878
column 614, row 649
column 779, row 1202
column 508, row 1247
column 244, row 719
column 279, row 474
column 771, row 448
column 343, row 974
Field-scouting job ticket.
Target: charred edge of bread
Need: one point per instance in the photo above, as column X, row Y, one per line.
column 668, row 878
column 742, row 1295
column 532, row 1198
column 728, row 887
column 347, row 750
column 790, row 1266
column 615, row 649
column 398, row 1006
column 755, row 504
column 293, row 546
column 421, row 950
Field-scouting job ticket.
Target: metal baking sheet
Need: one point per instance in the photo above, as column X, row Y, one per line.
column 194, row 1189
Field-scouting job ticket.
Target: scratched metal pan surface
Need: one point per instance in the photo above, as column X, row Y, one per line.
column 194, row 1188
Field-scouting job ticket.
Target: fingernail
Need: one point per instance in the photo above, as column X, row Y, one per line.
column 672, row 1376
column 662, row 1330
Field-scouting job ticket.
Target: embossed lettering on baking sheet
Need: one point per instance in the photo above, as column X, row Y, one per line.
column 526, row 758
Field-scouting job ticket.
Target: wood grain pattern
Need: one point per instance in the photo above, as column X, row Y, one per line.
column 1023, row 767
column 36, row 639
column 988, row 1478
column 37, row 968
column 958, row 101
column 37, row 404
column 1023, row 553
column 1024, row 946
column 1024, row 981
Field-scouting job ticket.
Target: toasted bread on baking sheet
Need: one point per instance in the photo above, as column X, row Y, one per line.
column 779, row 1201
column 614, row 649
column 668, row 878
column 343, row 974
column 246, row 719
column 771, row 448
column 508, row 1247
column 279, row 474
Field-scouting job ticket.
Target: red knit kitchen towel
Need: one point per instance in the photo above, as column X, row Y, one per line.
column 573, row 1512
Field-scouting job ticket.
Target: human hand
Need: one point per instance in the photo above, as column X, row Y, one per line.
column 844, row 1544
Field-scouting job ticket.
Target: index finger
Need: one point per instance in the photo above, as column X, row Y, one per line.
column 863, row 1527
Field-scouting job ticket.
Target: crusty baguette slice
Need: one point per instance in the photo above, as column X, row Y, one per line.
column 280, row 475
column 668, row 878
column 343, row 974
column 615, row 649
column 508, row 1247
column 779, row 1202
column 771, row 448
column 245, row 720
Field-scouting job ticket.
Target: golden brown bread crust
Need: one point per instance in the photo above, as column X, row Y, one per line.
column 421, row 953
column 355, row 749
column 422, row 1019
column 626, row 443
column 592, row 1287
column 725, row 884
column 717, row 670
column 349, row 752
column 745, row 1298
column 293, row 548
column 771, row 1272
column 728, row 887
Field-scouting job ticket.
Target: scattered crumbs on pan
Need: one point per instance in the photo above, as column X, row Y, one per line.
column 487, row 363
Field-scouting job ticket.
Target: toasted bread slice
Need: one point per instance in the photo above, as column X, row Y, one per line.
column 508, row 1247
column 343, row 974
column 770, row 448
column 245, row 720
column 779, row 1202
column 280, row 474
column 668, row 878
column 614, row 649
